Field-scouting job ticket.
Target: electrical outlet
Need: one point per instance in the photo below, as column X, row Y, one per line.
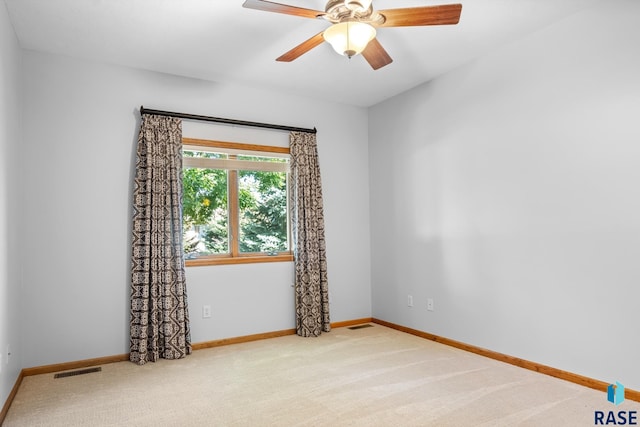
column 430, row 304
column 409, row 301
column 206, row 311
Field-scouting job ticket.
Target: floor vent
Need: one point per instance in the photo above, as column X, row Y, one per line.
column 78, row 372
column 360, row 326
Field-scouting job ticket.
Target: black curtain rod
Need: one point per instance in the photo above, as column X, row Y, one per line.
column 226, row 121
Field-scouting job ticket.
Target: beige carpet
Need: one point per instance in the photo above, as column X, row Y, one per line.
column 367, row 377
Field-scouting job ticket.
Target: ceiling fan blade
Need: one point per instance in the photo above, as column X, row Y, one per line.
column 448, row 14
column 375, row 55
column 282, row 8
column 302, row 48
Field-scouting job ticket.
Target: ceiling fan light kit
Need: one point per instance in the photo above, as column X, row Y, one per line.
column 354, row 25
column 349, row 38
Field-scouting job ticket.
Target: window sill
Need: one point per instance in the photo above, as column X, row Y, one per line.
column 249, row 259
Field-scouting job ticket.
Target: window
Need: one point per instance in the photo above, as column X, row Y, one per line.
column 234, row 203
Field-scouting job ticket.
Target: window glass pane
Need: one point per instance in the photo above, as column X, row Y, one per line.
column 262, row 199
column 205, row 211
column 263, row 159
column 205, row 154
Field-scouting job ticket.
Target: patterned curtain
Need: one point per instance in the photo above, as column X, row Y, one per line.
column 307, row 218
column 159, row 312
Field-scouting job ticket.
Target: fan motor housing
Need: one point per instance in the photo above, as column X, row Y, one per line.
column 356, row 5
column 351, row 10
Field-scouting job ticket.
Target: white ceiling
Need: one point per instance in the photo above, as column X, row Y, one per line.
column 222, row 41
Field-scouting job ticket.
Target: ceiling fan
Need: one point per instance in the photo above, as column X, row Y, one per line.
column 354, row 25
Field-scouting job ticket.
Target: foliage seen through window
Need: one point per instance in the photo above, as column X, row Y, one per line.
column 231, row 209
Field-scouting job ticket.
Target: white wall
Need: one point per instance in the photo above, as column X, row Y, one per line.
column 10, row 224
column 81, row 124
column 508, row 191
